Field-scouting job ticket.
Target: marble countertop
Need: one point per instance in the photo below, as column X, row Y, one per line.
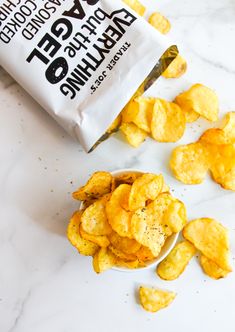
column 45, row 286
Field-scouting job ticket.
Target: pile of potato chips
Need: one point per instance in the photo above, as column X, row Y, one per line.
column 205, row 235
column 214, row 151
column 124, row 220
column 166, row 121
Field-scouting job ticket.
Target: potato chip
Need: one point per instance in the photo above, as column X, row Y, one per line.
column 94, row 219
column 118, row 217
column 212, row 269
column 139, row 111
column 147, row 186
column 84, row 247
column 126, row 178
column 122, row 255
column 153, row 299
column 103, row 260
column 144, row 254
column 211, row 238
column 176, row 69
column 175, row 263
column 199, row 99
column 126, row 245
column 223, row 172
column 147, row 229
column 160, row 23
column 130, row 111
column 136, row 6
column 98, row 185
column 168, row 121
column 190, row 163
column 134, row 135
column 160, row 206
column 175, row 216
column 215, row 136
column 228, row 126
column 101, row 240
column 128, row 265
column 143, row 117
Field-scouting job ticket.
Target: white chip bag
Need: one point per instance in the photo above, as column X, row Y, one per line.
column 82, row 60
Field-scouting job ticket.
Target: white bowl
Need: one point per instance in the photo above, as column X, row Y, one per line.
column 170, row 241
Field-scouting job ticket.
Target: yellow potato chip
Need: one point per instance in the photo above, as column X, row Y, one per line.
column 211, row 238
column 94, row 219
column 84, row 247
column 160, row 22
column 168, row 121
column 176, row 69
column 212, row 269
column 175, row 263
column 223, row 172
column 126, row 178
column 147, row 229
column 228, row 126
column 160, row 206
column 146, row 187
column 190, row 163
column 130, row 111
column 126, row 245
column 139, row 111
column 98, row 185
column 199, row 99
column 144, row 254
column 122, row 255
column 101, row 240
column 175, row 216
column 144, row 115
column 215, row 136
column 103, row 260
column 118, row 217
column 128, row 265
column 153, row 299
column 134, row 135
column 136, row 5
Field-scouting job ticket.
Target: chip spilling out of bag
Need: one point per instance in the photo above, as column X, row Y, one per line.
column 177, row 68
column 215, row 151
column 154, row 299
column 125, row 219
column 165, row 121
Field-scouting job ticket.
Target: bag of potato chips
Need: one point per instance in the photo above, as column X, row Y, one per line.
column 82, row 60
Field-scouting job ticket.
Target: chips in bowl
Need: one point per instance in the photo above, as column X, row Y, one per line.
column 131, row 221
